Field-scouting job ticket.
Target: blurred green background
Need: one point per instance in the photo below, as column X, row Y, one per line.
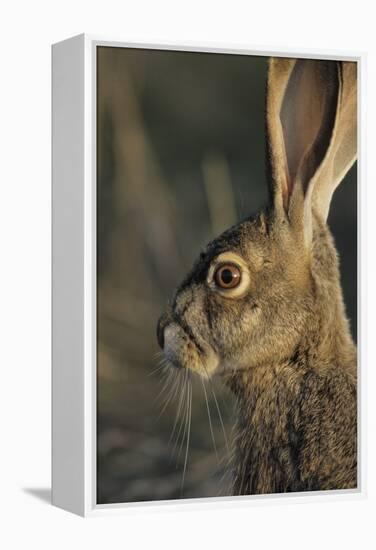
column 180, row 157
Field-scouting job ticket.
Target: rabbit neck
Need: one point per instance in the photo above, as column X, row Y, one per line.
column 327, row 339
column 265, row 433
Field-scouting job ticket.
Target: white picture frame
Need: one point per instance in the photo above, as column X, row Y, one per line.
column 74, row 277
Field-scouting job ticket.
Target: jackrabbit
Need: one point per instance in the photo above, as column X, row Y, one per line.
column 263, row 306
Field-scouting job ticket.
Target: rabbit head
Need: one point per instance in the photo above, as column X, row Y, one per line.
column 254, row 290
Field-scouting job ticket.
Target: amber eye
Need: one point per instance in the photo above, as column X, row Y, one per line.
column 227, row 276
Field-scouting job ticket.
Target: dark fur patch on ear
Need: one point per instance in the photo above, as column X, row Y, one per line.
column 331, row 83
column 308, row 116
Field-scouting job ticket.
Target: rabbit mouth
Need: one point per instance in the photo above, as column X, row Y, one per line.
column 182, row 350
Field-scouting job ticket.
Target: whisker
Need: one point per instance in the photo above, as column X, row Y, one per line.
column 187, row 380
column 161, row 367
column 188, row 437
column 168, row 374
column 171, row 395
column 218, row 410
column 180, row 404
column 183, row 417
column 220, row 416
column 225, row 479
column 209, row 417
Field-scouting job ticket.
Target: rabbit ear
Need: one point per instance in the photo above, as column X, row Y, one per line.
column 311, row 128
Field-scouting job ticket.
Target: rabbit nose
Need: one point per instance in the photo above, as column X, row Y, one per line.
column 160, row 332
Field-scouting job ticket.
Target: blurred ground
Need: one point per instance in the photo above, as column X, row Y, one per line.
column 180, row 158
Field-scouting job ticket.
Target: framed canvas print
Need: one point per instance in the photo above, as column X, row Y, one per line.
column 207, row 213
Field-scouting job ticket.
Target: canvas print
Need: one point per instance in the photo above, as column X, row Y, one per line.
column 226, row 275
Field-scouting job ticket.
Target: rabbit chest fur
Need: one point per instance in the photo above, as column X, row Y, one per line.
column 296, row 430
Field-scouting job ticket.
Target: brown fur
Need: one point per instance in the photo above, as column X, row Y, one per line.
column 281, row 341
column 296, row 427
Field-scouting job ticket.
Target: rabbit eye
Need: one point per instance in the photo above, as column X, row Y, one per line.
column 227, row 276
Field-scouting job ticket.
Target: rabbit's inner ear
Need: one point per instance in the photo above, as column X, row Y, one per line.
column 307, row 118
